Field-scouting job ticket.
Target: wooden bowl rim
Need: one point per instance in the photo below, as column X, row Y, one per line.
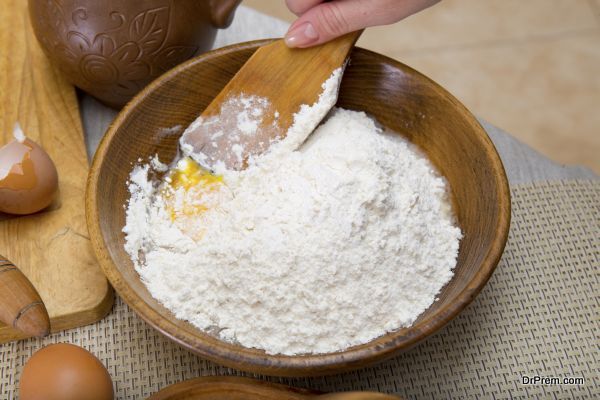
column 224, row 385
column 236, row 382
column 311, row 364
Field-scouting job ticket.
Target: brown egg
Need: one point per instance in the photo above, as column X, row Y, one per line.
column 65, row 372
column 28, row 177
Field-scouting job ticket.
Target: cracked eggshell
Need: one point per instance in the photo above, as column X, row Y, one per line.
column 28, row 177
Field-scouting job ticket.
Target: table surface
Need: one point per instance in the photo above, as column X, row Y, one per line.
column 521, row 162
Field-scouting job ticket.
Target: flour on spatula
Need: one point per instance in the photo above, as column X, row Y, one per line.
column 319, row 245
column 252, row 125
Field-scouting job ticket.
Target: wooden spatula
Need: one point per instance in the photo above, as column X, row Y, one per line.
column 288, row 78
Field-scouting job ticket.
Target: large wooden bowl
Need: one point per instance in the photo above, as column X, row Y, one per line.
column 400, row 98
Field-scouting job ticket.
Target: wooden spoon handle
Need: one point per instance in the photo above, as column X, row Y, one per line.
column 20, row 304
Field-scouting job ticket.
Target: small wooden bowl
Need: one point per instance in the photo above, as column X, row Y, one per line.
column 401, row 99
column 238, row 388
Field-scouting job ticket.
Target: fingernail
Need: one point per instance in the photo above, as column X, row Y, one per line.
column 301, row 35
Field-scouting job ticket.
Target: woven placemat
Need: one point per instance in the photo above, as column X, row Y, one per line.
column 538, row 316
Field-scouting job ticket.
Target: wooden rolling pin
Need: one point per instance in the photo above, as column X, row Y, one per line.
column 20, row 304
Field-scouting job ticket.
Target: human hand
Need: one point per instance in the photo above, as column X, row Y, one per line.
column 321, row 21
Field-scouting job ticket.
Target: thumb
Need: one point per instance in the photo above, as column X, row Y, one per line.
column 327, row 21
column 331, row 19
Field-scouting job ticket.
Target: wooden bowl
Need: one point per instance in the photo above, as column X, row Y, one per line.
column 400, row 98
column 238, row 388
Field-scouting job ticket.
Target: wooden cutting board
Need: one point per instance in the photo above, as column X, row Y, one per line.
column 52, row 248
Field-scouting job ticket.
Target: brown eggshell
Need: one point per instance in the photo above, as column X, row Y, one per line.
column 28, row 178
column 65, row 372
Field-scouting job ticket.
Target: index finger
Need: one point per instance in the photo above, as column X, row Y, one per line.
column 299, row 7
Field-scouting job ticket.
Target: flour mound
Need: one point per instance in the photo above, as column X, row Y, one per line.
column 310, row 251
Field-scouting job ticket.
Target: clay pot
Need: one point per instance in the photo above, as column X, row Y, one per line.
column 113, row 48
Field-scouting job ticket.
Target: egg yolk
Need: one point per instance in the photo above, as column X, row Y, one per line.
column 188, row 174
column 193, row 179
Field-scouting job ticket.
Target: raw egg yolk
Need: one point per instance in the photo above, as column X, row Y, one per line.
column 188, row 174
column 195, row 181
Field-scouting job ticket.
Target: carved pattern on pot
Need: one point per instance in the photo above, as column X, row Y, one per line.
column 123, row 65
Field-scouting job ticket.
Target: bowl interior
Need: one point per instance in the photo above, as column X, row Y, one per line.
column 399, row 98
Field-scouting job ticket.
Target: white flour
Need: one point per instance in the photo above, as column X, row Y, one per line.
column 307, row 251
column 244, row 114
